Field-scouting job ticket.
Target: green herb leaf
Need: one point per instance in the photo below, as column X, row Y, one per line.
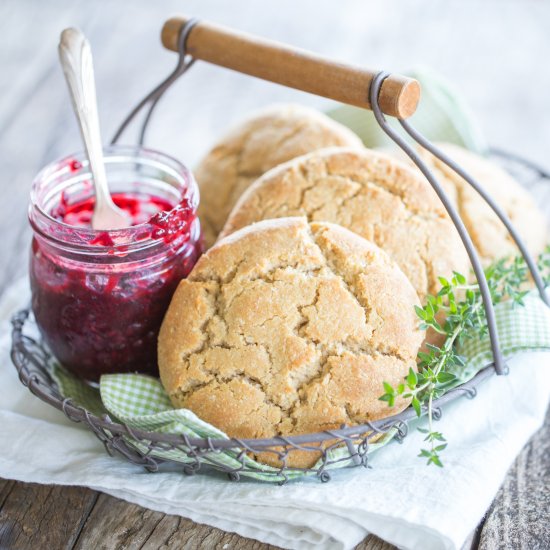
column 420, row 313
column 416, row 406
column 412, row 378
column 446, row 377
column 464, row 319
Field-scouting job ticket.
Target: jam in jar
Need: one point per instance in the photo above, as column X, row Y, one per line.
column 99, row 297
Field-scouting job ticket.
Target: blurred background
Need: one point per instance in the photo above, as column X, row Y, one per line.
column 495, row 52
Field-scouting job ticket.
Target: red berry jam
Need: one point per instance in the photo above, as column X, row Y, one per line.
column 99, row 297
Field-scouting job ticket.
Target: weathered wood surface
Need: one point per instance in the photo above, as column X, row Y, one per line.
column 37, row 516
column 492, row 50
column 520, row 514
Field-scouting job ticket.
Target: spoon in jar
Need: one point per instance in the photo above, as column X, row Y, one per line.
column 75, row 55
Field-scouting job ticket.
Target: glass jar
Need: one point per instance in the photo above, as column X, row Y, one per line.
column 99, row 297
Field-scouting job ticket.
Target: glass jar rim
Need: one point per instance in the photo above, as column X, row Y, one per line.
column 126, row 237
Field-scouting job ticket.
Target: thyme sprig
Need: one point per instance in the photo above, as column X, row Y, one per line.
column 456, row 312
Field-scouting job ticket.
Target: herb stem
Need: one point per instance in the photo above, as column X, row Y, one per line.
column 447, row 347
column 430, row 419
column 464, row 317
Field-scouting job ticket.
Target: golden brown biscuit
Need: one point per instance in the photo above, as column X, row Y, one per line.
column 369, row 193
column 266, row 138
column 489, row 235
column 287, row 328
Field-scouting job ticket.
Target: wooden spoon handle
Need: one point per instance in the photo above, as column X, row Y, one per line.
column 292, row 67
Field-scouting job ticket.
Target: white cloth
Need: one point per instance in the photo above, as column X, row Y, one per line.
column 400, row 499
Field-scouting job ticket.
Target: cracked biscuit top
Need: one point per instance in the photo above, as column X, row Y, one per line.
column 371, row 194
column 287, row 328
column 267, row 138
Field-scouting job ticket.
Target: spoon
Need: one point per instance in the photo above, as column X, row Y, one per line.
column 75, row 55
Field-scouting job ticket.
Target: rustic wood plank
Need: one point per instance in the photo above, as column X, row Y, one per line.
column 520, row 514
column 6, row 486
column 48, row 516
column 374, row 543
column 117, row 524
column 43, row 516
column 472, row 542
column 173, row 533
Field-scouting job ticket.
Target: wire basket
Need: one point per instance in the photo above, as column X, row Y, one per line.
column 389, row 94
column 33, row 362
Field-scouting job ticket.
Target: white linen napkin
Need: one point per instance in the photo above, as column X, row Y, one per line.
column 400, row 499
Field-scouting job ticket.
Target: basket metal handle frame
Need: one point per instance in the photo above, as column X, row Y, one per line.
column 185, row 61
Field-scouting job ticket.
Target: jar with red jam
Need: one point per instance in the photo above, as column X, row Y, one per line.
column 99, row 297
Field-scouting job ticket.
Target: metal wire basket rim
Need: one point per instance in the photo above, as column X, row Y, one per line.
column 537, row 168
column 80, row 414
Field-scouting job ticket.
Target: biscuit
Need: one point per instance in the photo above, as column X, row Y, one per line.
column 265, row 139
column 287, row 328
column 489, row 235
column 373, row 195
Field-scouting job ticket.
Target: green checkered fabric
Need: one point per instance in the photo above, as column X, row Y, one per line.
column 73, row 388
column 141, row 402
column 519, row 328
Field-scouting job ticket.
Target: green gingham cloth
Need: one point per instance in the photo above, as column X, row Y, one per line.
column 520, row 328
column 141, row 402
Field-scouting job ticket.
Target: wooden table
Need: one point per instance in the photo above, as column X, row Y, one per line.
column 490, row 49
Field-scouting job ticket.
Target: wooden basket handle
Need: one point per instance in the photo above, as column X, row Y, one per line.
column 291, row 67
